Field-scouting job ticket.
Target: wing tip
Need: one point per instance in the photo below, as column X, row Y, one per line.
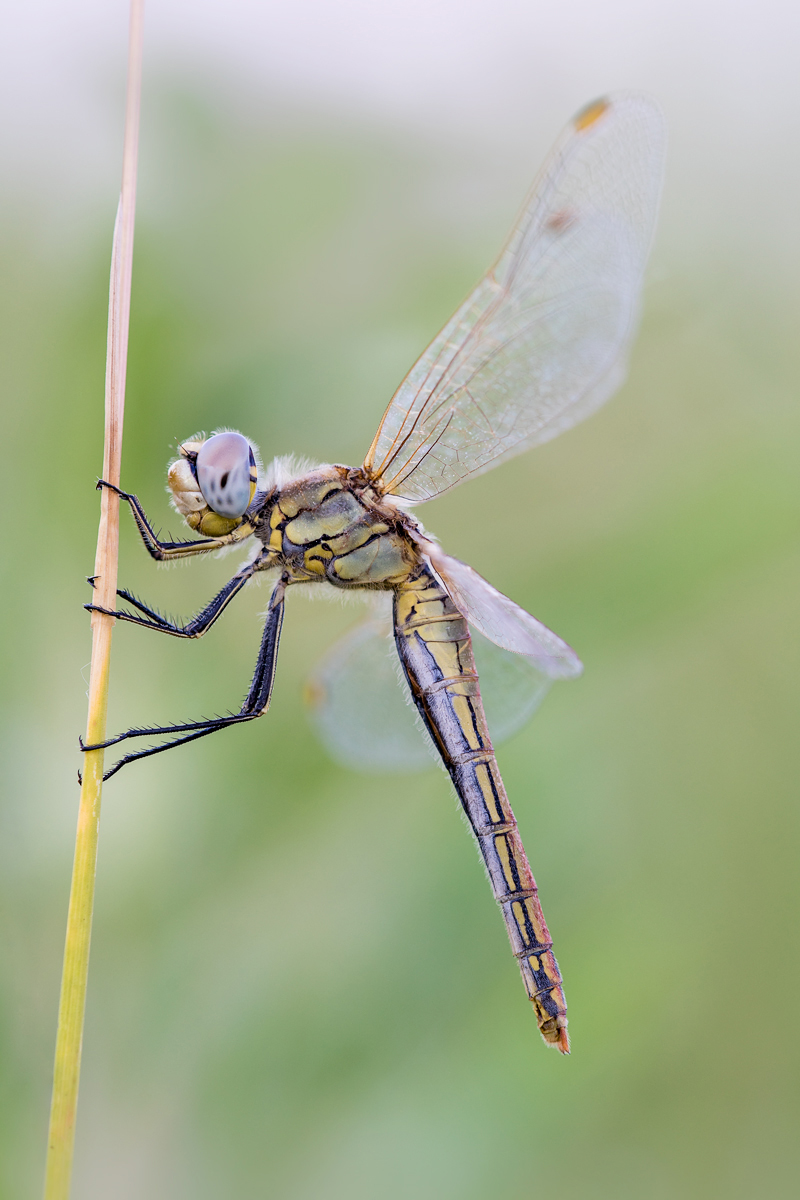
column 573, row 671
column 614, row 102
column 563, row 671
column 590, row 113
column 565, row 664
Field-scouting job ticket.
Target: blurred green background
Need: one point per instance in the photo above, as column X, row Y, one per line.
column 300, row 986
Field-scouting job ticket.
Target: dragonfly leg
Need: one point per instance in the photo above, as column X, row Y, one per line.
column 255, row 704
column 199, row 623
column 169, row 551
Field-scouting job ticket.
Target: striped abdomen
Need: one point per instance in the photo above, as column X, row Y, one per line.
column 435, row 649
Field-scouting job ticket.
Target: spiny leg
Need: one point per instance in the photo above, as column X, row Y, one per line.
column 198, row 624
column 169, row 551
column 255, row 705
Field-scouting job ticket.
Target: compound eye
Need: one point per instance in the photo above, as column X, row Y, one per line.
column 226, row 473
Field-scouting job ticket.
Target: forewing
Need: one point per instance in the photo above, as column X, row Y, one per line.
column 362, row 709
column 543, row 339
column 501, row 620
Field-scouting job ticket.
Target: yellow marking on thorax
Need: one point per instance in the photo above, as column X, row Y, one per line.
column 308, row 493
column 383, row 560
column 332, row 516
column 316, row 559
column 275, row 537
column 355, row 537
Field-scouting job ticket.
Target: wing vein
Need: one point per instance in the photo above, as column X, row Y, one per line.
column 544, row 337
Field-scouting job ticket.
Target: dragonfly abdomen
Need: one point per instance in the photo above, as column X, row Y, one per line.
column 435, row 648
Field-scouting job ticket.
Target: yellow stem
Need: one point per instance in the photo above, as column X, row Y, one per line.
column 72, row 1004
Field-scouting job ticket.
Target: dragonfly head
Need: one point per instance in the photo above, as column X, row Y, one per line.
column 213, row 481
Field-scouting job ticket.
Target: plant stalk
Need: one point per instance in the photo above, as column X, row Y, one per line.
column 72, row 1004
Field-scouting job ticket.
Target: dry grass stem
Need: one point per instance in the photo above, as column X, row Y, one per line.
column 79, row 919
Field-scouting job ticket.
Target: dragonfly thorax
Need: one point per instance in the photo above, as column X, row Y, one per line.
column 327, row 525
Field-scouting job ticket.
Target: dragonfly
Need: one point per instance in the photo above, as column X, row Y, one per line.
column 540, row 343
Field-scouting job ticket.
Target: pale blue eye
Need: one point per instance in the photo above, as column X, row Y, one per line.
column 225, row 471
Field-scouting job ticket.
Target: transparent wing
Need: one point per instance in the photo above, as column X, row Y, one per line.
column 501, row 620
column 512, row 687
column 362, row 709
column 543, row 339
